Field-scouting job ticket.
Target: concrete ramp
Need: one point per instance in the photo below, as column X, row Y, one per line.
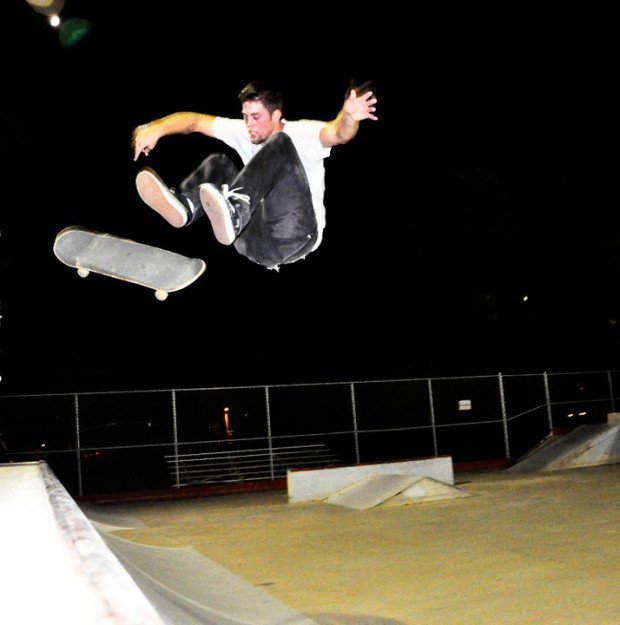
column 426, row 489
column 55, row 567
column 587, row 445
column 60, row 568
column 318, row 484
column 371, row 491
column 394, row 490
column 187, row 588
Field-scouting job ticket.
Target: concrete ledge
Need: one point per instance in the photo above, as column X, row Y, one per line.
column 318, row 484
column 56, row 569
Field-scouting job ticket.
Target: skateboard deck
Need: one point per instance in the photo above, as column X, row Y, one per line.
column 123, row 259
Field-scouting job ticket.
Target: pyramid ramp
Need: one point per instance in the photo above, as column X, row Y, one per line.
column 394, row 490
column 427, row 489
column 371, row 491
column 587, row 445
column 318, row 484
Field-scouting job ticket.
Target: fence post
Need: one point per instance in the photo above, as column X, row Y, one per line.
column 175, row 431
column 269, row 441
column 611, row 391
column 432, row 407
column 548, row 399
column 355, row 431
column 504, row 416
column 78, row 444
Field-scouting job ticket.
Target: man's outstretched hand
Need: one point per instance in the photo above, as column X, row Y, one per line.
column 144, row 139
column 361, row 107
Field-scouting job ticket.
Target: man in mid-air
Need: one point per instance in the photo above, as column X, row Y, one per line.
column 272, row 210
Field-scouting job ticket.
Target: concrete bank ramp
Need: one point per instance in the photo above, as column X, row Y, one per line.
column 377, row 490
column 60, row 568
column 587, row 445
column 186, row 588
column 55, row 568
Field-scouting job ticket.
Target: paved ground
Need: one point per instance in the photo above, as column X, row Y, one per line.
column 523, row 549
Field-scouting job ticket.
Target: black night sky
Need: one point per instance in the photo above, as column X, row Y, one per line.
column 469, row 231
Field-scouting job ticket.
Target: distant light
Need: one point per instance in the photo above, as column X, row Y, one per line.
column 43, row 445
column 583, row 414
column 54, row 20
column 526, row 297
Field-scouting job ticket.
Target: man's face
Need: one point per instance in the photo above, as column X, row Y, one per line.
column 260, row 124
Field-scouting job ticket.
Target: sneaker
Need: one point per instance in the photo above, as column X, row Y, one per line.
column 221, row 210
column 161, row 199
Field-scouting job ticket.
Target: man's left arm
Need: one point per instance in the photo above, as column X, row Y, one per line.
column 344, row 127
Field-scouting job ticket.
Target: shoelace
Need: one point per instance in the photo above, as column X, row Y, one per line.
column 232, row 193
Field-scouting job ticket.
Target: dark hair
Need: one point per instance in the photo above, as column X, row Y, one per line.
column 365, row 87
column 268, row 95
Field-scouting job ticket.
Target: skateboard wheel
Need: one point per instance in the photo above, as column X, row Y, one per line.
column 161, row 295
column 83, row 272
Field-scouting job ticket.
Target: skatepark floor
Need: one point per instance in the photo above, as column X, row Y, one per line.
column 539, row 548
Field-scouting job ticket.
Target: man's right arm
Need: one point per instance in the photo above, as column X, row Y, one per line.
column 145, row 137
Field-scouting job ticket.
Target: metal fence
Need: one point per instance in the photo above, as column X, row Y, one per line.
column 114, row 442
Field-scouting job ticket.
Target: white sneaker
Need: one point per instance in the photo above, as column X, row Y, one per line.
column 160, row 198
column 221, row 211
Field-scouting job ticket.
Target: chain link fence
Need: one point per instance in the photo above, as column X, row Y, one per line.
column 125, row 441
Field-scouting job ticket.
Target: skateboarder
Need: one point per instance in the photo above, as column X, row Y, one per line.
column 272, row 210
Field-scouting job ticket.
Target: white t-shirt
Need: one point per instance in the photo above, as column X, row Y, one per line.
column 305, row 137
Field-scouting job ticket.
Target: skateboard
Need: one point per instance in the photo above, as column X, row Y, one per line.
column 123, row 259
